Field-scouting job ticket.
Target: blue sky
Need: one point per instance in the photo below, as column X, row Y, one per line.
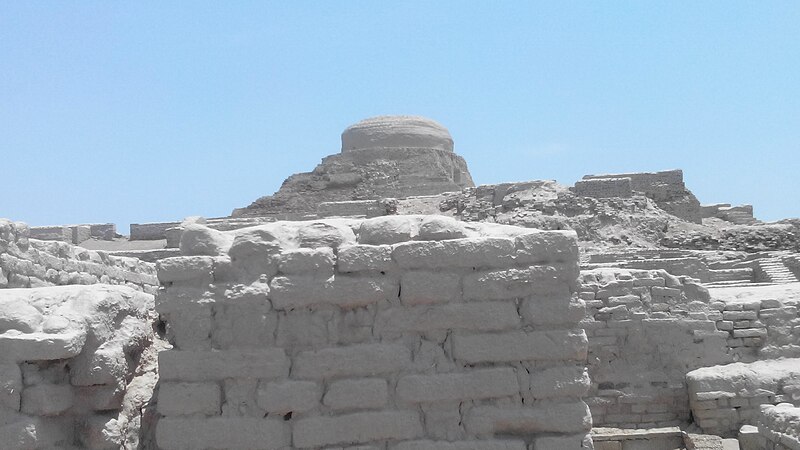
column 152, row 111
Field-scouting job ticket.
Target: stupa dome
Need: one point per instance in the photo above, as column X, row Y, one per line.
column 396, row 132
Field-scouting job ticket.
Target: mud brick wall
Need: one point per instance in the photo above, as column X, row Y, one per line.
column 646, row 330
column 725, row 397
column 26, row 263
column 760, row 329
column 69, row 361
column 604, row 188
column 399, row 332
column 780, row 425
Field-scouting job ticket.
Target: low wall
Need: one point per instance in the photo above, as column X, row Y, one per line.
column 74, row 233
column 646, row 330
column 402, row 332
column 604, row 188
column 28, row 263
column 780, row 426
column 68, row 356
column 760, row 329
column 723, row 398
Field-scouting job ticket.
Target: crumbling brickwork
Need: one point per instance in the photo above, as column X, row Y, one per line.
column 403, row 332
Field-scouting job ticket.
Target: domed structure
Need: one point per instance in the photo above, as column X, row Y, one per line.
column 396, row 132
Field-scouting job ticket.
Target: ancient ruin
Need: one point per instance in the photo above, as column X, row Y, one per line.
column 383, row 301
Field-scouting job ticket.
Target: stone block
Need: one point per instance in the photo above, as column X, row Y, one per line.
column 186, row 268
column 307, row 261
column 10, row 386
column 573, row 417
column 570, row 442
column 301, row 291
column 423, row 287
column 547, row 246
column 558, row 278
column 388, row 230
column 439, row 228
column 288, row 396
column 472, row 252
column 365, row 393
column 552, row 310
column 561, row 381
column 361, row 359
column 41, row 346
column 520, row 346
column 357, row 428
column 218, row 365
column 476, row 384
column 360, row 258
column 47, row 399
column 185, row 399
column 483, row 316
column 174, row 433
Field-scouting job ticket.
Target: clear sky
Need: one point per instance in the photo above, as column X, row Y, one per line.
column 152, row 111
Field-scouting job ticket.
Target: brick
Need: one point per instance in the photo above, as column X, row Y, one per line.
column 571, row 417
column 356, row 428
column 665, row 292
column 562, row 381
column 288, row 396
column 476, row 384
column 47, row 399
column 203, row 366
column 10, row 386
column 739, row 315
column 41, row 346
column 572, row 442
column 750, row 332
column 355, row 394
column 469, row 252
column 463, row 445
column 362, row 359
column 306, row 261
column 183, row 399
column 299, row 291
column 483, row 316
column 422, row 287
column 553, row 310
column 358, row 258
column 174, row 433
column 190, row 327
column 521, row 346
column 185, row 268
column 547, row 246
column 559, row 278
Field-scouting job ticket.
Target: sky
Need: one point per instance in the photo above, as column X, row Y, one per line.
column 134, row 112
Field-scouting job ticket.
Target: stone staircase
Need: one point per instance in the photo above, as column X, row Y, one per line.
column 776, row 271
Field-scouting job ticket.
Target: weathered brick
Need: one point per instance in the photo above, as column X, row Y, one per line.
column 547, row 246
column 483, row 444
column 356, row 428
column 739, row 315
column 10, row 386
column 571, row 417
column 174, row 433
column 358, row 258
column 185, row 268
column 572, row 442
column 300, row 291
column 572, row 381
column 558, row 278
column 47, row 399
column 476, row 384
column 41, row 346
column 357, row 393
column 521, row 346
column 183, row 399
column 362, row 359
column 202, row 366
column 553, row 310
column 468, row 252
column 288, row 396
column 483, row 316
column 307, row 261
column 423, row 287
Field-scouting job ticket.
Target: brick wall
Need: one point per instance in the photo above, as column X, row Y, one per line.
column 28, row 263
column 604, row 188
column 646, row 330
column 403, row 332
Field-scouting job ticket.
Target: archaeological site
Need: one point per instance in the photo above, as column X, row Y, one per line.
column 383, row 301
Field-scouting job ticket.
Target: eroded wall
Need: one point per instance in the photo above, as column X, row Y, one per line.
column 28, row 263
column 403, row 332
